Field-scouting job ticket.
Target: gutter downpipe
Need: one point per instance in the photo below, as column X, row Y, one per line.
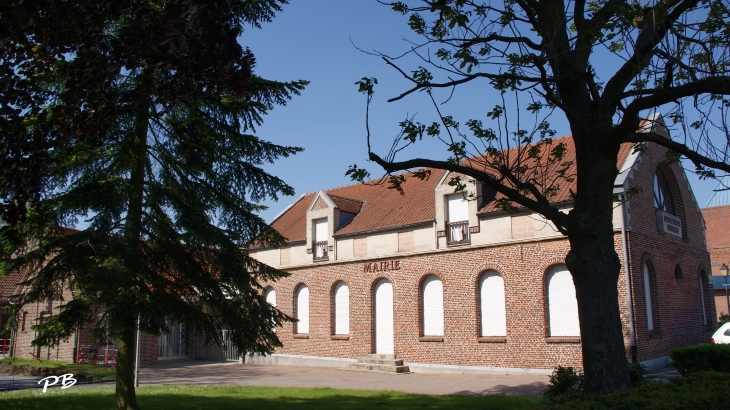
column 435, row 234
column 627, row 269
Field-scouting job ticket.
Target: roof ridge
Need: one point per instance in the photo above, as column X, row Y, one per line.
column 344, row 198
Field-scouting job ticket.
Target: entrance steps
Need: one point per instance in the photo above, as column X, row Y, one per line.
column 381, row 363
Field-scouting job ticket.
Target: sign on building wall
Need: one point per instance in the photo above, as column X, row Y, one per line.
column 382, row 266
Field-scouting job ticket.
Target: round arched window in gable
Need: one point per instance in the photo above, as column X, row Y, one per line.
column 663, row 198
column 678, row 274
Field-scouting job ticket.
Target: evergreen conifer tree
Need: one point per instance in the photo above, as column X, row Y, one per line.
column 145, row 112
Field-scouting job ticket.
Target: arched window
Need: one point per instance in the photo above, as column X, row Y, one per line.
column 704, row 299
column 432, row 295
column 492, row 305
column 663, row 198
column 678, row 273
column 302, row 306
column 270, row 295
column 342, row 308
column 650, row 296
column 562, row 303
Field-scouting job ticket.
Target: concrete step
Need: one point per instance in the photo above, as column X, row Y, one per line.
column 383, row 368
column 372, row 360
column 381, row 356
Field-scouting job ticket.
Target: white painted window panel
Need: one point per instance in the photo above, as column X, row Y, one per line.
column 702, row 298
column 647, row 298
column 433, row 307
column 562, row 303
column 458, row 208
column 303, row 309
column 491, row 298
column 320, row 230
column 271, row 297
column 342, row 309
column 384, row 343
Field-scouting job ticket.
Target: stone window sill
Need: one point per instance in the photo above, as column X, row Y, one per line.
column 563, row 339
column 492, row 339
column 340, row 337
column 301, row 335
column 431, row 339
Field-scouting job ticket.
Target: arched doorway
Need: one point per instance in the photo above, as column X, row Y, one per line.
column 384, row 338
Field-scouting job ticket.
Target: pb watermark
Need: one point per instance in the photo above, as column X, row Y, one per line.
column 67, row 380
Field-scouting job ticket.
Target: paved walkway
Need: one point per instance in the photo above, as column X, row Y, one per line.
column 235, row 374
column 10, row 382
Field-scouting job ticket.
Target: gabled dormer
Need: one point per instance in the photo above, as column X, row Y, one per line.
column 325, row 216
column 456, row 212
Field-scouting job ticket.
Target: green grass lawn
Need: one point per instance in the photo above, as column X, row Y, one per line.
column 90, row 371
column 258, row 398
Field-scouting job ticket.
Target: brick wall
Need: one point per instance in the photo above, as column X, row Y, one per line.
column 718, row 236
column 24, row 335
column 680, row 314
column 523, row 267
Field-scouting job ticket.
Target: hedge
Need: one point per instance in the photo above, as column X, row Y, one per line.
column 701, row 390
column 701, row 357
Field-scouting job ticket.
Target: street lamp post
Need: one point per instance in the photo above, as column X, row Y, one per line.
column 724, row 270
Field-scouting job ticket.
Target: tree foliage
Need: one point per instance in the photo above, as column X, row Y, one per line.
column 605, row 66
column 134, row 121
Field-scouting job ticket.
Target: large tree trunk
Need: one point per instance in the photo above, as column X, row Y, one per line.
column 595, row 267
column 126, row 398
column 125, row 394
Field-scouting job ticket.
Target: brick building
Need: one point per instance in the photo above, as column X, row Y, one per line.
column 454, row 285
column 16, row 342
column 717, row 218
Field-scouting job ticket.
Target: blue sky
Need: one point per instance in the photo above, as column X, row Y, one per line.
column 313, row 40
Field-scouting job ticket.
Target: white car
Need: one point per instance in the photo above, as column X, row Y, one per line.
column 722, row 335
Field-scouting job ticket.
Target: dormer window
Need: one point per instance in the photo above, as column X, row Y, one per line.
column 320, row 245
column 457, row 225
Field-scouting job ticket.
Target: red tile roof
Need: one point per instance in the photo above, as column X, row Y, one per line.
column 382, row 208
column 9, row 284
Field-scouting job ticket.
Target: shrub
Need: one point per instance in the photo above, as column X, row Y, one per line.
column 566, row 383
column 701, row 357
column 637, row 371
column 724, row 318
column 701, row 390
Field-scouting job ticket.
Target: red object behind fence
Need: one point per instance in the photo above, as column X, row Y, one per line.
column 97, row 355
column 4, row 347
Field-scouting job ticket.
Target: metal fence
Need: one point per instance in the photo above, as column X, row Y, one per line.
column 97, row 355
column 229, row 350
column 4, row 347
column 172, row 344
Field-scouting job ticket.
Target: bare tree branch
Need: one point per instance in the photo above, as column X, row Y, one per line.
column 540, row 205
column 420, row 86
column 711, row 85
column 648, row 39
column 696, row 158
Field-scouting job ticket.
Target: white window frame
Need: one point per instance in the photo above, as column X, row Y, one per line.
column 341, row 305
column 303, row 303
column 563, row 319
column 432, row 306
column 492, row 305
